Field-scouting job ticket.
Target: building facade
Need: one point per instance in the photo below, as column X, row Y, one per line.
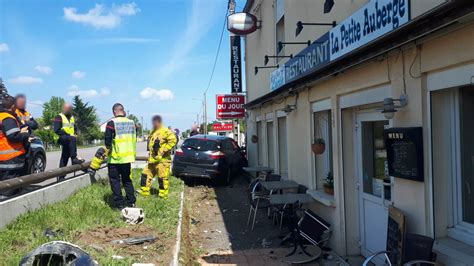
column 419, row 54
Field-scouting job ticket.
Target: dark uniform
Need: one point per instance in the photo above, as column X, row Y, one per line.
column 120, row 141
column 12, row 147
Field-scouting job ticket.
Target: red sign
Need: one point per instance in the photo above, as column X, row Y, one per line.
column 222, row 127
column 230, row 106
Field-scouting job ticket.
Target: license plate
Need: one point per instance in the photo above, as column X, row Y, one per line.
column 193, row 169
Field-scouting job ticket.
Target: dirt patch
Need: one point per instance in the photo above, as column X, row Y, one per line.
column 100, row 240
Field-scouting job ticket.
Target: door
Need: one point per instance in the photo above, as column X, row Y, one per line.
column 373, row 182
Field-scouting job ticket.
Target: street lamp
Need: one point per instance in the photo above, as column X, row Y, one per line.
column 299, row 26
column 276, row 56
column 281, row 44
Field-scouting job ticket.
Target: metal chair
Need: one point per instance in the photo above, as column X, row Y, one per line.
column 258, row 200
column 280, row 210
column 272, row 177
column 418, row 250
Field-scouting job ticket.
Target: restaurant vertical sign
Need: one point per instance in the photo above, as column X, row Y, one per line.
column 235, row 64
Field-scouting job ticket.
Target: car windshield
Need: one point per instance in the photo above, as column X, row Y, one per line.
column 201, row 145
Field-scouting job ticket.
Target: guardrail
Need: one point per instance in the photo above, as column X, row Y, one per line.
column 23, row 181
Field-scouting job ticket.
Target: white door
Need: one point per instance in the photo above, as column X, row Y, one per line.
column 374, row 197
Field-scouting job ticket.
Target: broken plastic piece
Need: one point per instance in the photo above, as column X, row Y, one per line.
column 135, row 240
column 133, row 215
column 58, row 253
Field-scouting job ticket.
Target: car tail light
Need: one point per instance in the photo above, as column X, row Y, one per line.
column 217, row 155
column 179, row 152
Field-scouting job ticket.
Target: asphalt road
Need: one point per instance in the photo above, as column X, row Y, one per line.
column 86, row 154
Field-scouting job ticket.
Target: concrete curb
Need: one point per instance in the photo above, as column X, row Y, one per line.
column 177, row 248
column 13, row 208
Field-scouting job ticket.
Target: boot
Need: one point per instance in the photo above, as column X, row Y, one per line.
column 77, row 160
column 144, row 191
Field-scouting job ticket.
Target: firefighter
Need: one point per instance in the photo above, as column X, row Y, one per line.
column 160, row 143
column 65, row 129
column 26, row 119
column 120, row 142
column 12, row 142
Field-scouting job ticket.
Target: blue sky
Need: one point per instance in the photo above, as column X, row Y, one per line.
column 154, row 56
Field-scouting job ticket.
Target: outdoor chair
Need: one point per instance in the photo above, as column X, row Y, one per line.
column 258, row 199
column 281, row 210
column 311, row 229
column 418, row 250
column 272, row 177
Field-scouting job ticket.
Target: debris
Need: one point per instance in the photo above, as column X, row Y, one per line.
column 194, row 221
column 224, row 210
column 49, row 233
column 235, row 210
column 133, row 215
column 117, row 257
column 135, row 240
column 265, row 243
column 97, row 248
column 57, row 253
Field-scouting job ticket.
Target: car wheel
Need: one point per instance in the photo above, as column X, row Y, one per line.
column 38, row 164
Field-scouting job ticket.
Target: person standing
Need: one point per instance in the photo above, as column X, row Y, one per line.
column 160, row 143
column 12, row 143
column 65, row 129
column 26, row 119
column 120, row 142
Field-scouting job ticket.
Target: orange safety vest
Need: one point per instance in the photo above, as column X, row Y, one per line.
column 9, row 150
column 23, row 116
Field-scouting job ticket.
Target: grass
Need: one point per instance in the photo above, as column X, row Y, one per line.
column 86, row 210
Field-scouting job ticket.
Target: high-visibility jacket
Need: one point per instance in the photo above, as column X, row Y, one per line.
column 23, row 116
column 68, row 124
column 10, row 150
column 160, row 144
column 124, row 144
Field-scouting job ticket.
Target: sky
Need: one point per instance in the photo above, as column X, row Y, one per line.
column 153, row 56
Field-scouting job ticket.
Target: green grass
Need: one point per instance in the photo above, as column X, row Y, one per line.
column 85, row 210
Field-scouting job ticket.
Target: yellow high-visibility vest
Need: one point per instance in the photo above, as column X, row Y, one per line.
column 124, row 144
column 68, row 124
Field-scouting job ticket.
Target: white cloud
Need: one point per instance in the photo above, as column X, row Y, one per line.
column 156, row 94
column 74, row 90
column 44, row 70
column 4, row 48
column 78, row 74
column 25, row 80
column 101, row 17
column 34, row 104
column 196, row 28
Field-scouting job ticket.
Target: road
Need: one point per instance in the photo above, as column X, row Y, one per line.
column 86, row 153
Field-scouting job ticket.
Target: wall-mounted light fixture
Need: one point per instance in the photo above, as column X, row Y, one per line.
column 389, row 107
column 267, row 57
column 299, row 25
column 263, row 67
column 328, row 4
column 289, row 108
column 281, row 44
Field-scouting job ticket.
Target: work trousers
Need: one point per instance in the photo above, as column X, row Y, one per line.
column 69, row 150
column 9, row 174
column 160, row 170
column 119, row 175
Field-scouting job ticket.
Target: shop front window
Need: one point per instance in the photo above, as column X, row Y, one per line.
column 322, row 131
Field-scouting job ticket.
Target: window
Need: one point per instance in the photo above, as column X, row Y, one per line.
column 260, row 143
column 270, row 145
column 452, row 130
column 280, row 34
column 201, row 145
column 282, row 147
column 322, row 130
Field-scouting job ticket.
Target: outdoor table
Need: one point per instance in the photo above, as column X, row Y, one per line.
column 258, row 169
column 279, row 185
column 289, row 198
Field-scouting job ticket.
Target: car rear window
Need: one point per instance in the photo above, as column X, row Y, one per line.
column 201, row 144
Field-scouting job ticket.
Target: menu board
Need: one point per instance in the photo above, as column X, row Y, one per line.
column 405, row 152
column 395, row 235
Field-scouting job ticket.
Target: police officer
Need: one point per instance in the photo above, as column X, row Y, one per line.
column 12, row 142
column 121, row 141
column 160, row 143
column 26, row 119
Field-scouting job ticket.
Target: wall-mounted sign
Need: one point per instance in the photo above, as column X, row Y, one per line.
column 222, row 127
column 241, row 23
column 373, row 20
column 230, row 106
column 235, row 64
column 308, row 60
column 405, row 152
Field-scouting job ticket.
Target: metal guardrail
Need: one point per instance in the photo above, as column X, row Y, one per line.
column 23, row 181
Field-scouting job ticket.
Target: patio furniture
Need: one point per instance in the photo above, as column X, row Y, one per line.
column 258, row 200
column 279, row 185
column 272, row 177
column 310, row 228
column 257, row 170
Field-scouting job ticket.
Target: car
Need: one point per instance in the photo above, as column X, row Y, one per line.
column 212, row 157
column 36, row 158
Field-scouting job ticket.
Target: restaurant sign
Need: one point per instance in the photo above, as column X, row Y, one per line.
column 308, row 60
column 373, row 20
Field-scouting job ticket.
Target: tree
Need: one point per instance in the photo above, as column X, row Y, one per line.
column 86, row 120
column 137, row 123
column 51, row 109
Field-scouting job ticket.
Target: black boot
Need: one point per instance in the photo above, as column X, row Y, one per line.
column 77, row 160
